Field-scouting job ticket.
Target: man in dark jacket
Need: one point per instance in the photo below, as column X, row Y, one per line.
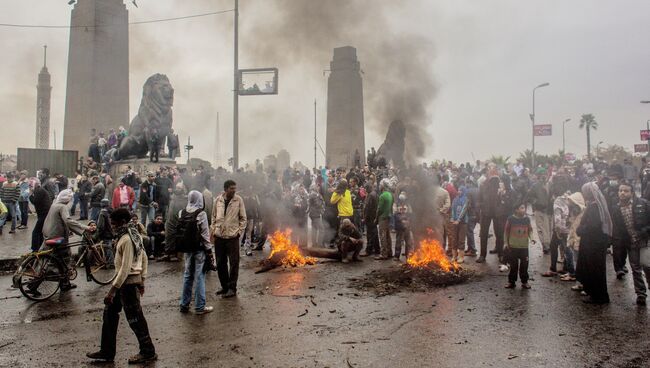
column 85, row 188
column 148, row 192
column 40, row 198
column 631, row 228
column 488, row 202
column 162, row 197
column 540, row 199
column 96, row 195
column 156, row 234
column 369, row 217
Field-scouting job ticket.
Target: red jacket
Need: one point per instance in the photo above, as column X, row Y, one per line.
column 116, row 196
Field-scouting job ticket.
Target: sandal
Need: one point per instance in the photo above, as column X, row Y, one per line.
column 549, row 274
column 567, row 277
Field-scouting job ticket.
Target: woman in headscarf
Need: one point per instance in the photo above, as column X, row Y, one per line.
column 594, row 231
column 192, row 234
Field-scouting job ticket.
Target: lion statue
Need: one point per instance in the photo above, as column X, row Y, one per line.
column 392, row 150
column 154, row 120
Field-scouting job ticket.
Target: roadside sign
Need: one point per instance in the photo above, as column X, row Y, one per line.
column 542, row 130
column 645, row 135
column 641, row 148
column 570, row 157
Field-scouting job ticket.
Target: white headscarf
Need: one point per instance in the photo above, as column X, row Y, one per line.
column 194, row 201
column 592, row 193
column 65, row 196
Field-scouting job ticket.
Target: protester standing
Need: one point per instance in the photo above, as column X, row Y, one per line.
column 228, row 223
column 193, row 239
column 384, row 213
column 518, row 232
column 594, row 232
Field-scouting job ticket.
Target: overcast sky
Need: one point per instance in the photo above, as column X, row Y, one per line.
column 488, row 56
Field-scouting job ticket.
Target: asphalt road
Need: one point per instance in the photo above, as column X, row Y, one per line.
column 309, row 317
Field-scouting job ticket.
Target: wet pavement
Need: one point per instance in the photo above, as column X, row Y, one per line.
column 310, row 317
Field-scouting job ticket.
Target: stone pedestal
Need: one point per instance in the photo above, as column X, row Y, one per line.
column 139, row 165
column 97, row 91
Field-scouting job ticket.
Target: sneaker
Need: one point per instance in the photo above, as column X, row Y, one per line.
column 12, row 231
column 99, row 355
column 480, row 260
column 139, row 358
column 249, row 253
column 184, row 309
column 503, row 268
column 640, row 301
column 222, row 291
column 205, row 310
column 509, row 285
column 577, row 287
column 525, row 286
column 229, row 294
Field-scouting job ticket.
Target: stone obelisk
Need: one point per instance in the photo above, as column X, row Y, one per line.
column 345, row 124
column 97, row 92
column 43, row 93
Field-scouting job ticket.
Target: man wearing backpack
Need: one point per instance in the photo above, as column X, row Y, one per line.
column 192, row 234
column 228, row 223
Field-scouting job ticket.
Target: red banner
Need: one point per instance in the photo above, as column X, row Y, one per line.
column 543, row 130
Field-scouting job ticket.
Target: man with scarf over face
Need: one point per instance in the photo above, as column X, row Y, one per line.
column 125, row 292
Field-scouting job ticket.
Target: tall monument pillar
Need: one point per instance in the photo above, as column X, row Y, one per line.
column 43, row 93
column 345, row 124
column 97, row 92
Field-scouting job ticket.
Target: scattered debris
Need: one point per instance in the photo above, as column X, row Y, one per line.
column 304, row 314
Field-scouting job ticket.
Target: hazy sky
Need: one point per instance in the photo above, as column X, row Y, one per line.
column 488, row 55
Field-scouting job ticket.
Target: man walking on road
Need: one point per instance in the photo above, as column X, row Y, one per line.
column 228, row 223
column 125, row 293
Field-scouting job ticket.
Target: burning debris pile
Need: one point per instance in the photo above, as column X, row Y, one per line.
column 428, row 267
column 284, row 253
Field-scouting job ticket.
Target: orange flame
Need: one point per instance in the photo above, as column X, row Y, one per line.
column 430, row 252
column 281, row 241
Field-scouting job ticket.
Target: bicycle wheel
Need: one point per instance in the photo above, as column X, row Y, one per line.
column 97, row 266
column 40, row 276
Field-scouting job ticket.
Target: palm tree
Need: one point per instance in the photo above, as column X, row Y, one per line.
column 588, row 122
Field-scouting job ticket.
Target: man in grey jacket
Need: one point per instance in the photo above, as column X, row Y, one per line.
column 96, row 195
column 59, row 224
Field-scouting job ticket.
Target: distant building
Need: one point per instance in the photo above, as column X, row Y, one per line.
column 43, row 94
column 345, row 122
column 284, row 159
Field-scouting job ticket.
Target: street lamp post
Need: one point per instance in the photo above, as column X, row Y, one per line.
column 563, row 136
column 532, row 118
column 647, row 124
column 235, row 115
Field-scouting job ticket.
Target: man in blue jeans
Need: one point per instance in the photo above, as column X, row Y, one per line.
column 192, row 235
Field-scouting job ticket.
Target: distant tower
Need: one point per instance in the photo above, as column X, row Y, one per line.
column 43, row 93
column 345, row 124
column 97, row 92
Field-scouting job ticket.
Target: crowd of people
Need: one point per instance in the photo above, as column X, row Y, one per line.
column 580, row 212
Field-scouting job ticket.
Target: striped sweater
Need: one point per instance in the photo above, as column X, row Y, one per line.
column 10, row 192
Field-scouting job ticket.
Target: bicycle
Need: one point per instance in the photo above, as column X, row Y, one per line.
column 41, row 273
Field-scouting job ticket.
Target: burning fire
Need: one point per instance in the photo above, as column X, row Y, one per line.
column 281, row 241
column 430, row 252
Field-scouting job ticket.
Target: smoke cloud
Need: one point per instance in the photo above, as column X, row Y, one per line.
column 398, row 79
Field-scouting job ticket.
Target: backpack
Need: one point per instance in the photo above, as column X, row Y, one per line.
column 188, row 236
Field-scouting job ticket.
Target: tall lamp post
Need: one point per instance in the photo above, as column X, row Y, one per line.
column 563, row 135
column 532, row 119
column 647, row 123
column 235, row 115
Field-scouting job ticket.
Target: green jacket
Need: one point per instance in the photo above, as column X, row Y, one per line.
column 385, row 206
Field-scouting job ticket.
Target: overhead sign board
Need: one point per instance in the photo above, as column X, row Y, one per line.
column 641, row 148
column 543, row 130
column 645, row 135
column 570, row 157
column 256, row 82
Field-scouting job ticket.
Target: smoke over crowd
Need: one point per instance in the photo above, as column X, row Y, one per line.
column 398, row 78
